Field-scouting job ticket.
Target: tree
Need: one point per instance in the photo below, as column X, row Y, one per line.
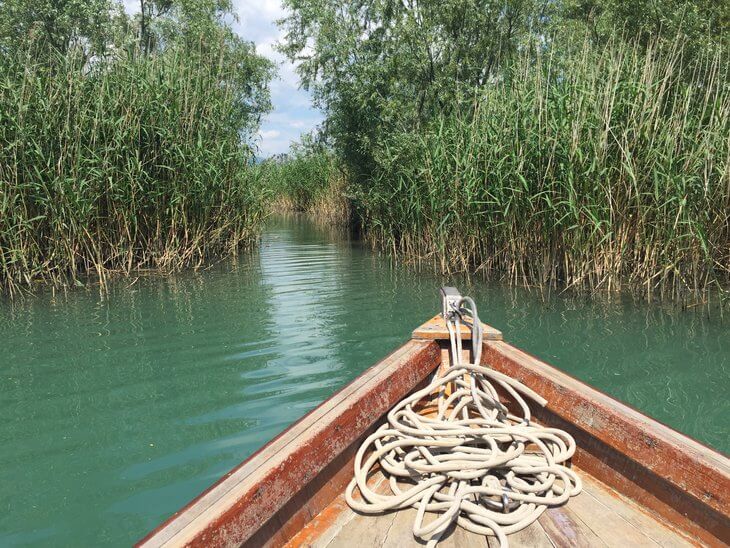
column 377, row 65
column 60, row 24
column 701, row 24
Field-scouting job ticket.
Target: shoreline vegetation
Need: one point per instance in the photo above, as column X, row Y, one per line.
column 128, row 145
column 308, row 180
column 581, row 145
column 568, row 145
column 605, row 170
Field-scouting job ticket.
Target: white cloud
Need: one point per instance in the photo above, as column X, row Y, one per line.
column 293, row 113
column 253, row 13
column 131, row 6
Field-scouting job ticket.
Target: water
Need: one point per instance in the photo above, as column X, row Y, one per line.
column 117, row 410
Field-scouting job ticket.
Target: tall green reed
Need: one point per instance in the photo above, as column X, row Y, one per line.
column 600, row 169
column 308, row 181
column 114, row 165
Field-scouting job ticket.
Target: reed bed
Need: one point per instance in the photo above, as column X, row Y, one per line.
column 601, row 169
column 308, row 182
column 114, row 166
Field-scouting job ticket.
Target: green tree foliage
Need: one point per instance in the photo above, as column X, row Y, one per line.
column 58, row 24
column 701, row 24
column 375, row 66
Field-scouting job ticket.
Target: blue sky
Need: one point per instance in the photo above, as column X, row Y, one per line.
column 293, row 113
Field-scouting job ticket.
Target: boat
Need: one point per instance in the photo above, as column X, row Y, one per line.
column 644, row 483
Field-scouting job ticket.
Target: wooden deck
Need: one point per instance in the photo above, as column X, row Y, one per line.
column 596, row 517
column 435, row 329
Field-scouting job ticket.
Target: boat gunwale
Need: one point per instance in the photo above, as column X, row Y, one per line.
column 604, row 448
column 718, row 456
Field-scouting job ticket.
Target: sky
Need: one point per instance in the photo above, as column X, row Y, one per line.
column 293, row 113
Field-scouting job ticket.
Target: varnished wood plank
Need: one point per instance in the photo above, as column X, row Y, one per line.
column 324, row 527
column 595, row 518
column 400, row 534
column 364, row 530
column 332, row 521
column 566, row 530
column 458, row 537
column 533, row 536
column 435, row 329
column 401, row 531
column 633, row 514
column 607, row 525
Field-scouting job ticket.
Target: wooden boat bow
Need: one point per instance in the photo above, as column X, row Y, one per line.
column 277, row 491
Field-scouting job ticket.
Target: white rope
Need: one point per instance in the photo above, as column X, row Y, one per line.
column 472, row 461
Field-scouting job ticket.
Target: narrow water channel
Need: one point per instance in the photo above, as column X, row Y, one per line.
column 118, row 409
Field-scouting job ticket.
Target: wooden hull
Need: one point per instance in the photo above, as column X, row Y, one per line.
column 271, row 496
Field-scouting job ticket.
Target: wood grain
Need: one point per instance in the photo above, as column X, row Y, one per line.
column 597, row 517
column 677, row 478
column 284, row 491
column 435, row 329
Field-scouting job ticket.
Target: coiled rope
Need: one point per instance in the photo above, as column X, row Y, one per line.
column 470, row 461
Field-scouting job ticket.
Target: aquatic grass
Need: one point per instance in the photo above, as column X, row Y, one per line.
column 114, row 165
column 601, row 169
column 310, row 182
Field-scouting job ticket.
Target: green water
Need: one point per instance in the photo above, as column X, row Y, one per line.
column 118, row 409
